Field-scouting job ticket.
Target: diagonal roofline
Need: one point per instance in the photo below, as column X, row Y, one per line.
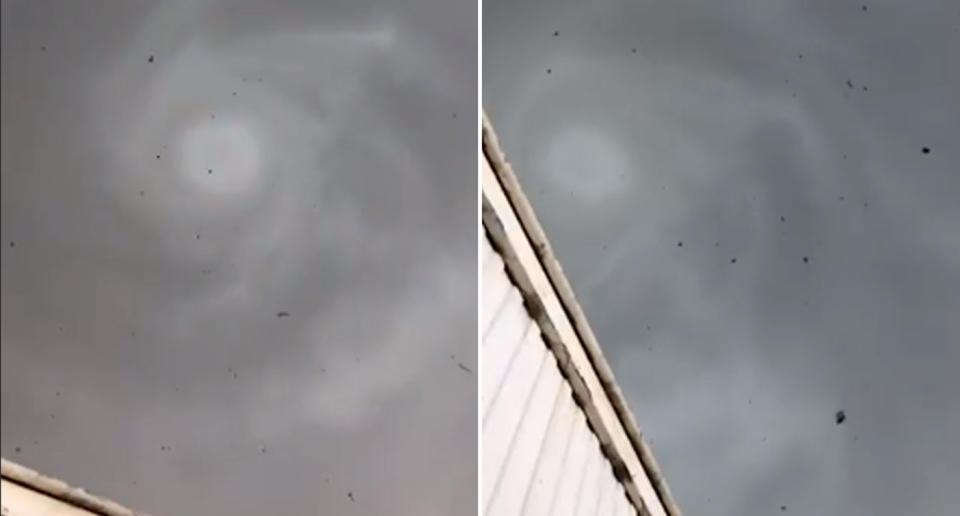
column 544, row 253
column 60, row 490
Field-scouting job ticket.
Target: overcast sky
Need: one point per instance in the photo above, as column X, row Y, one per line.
column 787, row 136
column 237, row 272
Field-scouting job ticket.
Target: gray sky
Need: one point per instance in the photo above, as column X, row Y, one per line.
column 238, row 275
column 707, row 134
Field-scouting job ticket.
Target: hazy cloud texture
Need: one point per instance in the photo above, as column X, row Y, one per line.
column 239, row 253
column 740, row 195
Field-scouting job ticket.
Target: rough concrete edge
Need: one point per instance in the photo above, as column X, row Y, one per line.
column 61, row 490
column 504, row 172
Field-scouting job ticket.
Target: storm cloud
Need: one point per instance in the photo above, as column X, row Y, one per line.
column 239, row 260
column 784, row 145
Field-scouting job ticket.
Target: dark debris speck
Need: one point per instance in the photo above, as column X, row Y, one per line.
column 150, row 59
column 926, row 150
column 806, row 259
column 679, row 244
column 16, row 450
column 464, row 368
column 13, row 244
column 209, row 171
column 733, row 260
column 549, row 71
column 783, row 219
column 863, row 8
column 556, row 33
column 849, row 84
column 840, row 417
column 350, row 496
column 783, row 507
column 283, row 314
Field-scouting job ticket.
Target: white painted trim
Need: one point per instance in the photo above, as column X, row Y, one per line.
column 24, row 487
column 514, row 230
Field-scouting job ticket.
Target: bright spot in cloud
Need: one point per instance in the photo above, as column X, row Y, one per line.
column 221, row 156
column 585, row 164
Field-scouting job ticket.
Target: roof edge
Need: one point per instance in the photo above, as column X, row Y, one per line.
column 62, row 491
column 531, row 226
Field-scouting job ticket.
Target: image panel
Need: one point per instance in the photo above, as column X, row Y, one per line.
column 239, row 261
column 757, row 207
